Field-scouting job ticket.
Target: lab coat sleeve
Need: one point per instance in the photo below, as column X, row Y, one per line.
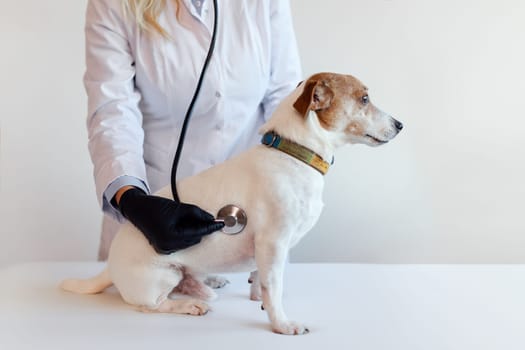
column 114, row 121
column 285, row 66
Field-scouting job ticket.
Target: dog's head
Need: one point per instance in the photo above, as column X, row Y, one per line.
column 343, row 107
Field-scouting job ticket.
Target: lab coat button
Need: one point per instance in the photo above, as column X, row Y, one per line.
column 218, row 94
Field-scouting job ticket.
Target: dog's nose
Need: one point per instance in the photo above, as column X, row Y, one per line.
column 398, row 125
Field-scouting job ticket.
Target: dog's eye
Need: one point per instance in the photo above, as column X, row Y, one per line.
column 365, row 99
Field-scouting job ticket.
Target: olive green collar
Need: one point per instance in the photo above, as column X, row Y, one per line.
column 271, row 139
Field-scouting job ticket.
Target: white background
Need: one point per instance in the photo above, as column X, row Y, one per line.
column 449, row 189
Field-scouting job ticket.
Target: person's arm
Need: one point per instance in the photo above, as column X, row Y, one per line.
column 116, row 139
column 168, row 225
column 285, row 65
column 120, row 192
column 114, row 119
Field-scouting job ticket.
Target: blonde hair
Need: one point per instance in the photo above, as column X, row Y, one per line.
column 147, row 12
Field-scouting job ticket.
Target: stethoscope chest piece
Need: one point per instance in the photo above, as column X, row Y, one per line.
column 234, row 219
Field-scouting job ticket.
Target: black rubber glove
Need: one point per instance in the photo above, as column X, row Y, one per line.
column 168, row 225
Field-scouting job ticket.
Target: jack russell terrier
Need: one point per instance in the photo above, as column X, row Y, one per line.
column 278, row 183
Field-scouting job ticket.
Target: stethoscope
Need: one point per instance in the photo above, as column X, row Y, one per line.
column 234, row 218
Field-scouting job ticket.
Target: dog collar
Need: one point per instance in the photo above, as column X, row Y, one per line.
column 271, row 139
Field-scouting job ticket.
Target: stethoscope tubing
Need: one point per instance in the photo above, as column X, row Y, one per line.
column 187, row 117
column 234, row 218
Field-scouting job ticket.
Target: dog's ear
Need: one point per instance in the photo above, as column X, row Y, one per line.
column 316, row 96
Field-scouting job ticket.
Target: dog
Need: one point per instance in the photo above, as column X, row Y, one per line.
column 278, row 183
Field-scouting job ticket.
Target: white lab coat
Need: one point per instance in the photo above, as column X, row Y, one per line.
column 139, row 87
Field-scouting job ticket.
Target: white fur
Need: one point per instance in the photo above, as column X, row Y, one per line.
column 282, row 198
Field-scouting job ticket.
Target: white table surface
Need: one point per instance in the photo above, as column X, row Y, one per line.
column 346, row 306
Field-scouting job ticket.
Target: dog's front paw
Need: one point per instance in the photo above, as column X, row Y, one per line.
column 289, row 328
column 216, row 282
column 255, row 286
column 255, row 292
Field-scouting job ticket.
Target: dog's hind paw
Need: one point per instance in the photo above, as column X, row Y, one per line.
column 216, row 282
column 197, row 308
column 290, row 328
column 181, row 306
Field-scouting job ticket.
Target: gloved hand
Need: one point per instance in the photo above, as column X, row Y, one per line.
column 168, row 225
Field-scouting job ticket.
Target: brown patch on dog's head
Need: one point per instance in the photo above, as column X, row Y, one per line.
column 342, row 107
column 323, row 93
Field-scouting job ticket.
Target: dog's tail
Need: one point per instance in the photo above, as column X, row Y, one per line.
column 92, row 285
